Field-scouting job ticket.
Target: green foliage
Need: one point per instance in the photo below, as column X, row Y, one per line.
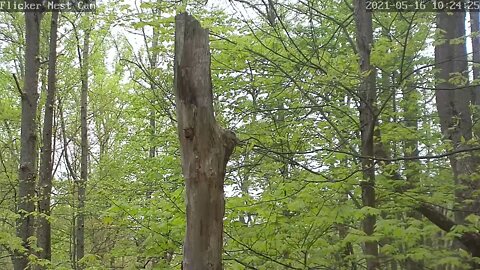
column 289, row 89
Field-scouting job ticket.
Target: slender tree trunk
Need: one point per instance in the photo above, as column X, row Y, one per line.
column 475, row 34
column 153, row 59
column 205, row 147
column 475, row 30
column 411, row 113
column 82, row 183
column 363, row 20
column 45, row 181
column 73, row 175
column 153, row 149
column 411, row 110
column 345, row 260
column 28, row 152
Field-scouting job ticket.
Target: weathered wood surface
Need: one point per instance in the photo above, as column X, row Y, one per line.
column 205, row 147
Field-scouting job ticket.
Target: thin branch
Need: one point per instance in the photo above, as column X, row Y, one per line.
column 451, row 153
column 18, row 85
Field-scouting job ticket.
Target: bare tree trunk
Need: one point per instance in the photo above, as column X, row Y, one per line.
column 205, row 147
column 82, row 183
column 45, row 181
column 363, row 20
column 28, row 153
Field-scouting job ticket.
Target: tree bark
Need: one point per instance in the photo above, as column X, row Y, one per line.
column 153, row 59
column 363, row 21
column 205, row 147
column 28, row 153
column 45, row 181
column 453, row 100
column 82, row 183
column 475, row 33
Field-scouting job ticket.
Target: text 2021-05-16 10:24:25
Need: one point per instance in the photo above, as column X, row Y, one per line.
column 422, row 5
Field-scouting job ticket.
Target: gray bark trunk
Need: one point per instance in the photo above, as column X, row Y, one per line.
column 453, row 103
column 454, row 99
column 205, row 147
column 363, row 20
column 82, row 183
column 28, row 153
column 45, row 181
column 475, row 30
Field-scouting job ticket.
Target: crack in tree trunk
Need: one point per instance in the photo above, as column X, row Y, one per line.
column 205, row 147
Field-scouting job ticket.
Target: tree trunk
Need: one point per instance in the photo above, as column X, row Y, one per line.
column 28, row 153
column 363, row 20
column 412, row 113
column 82, row 183
column 73, row 175
column 453, row 103
column 454, row 99
column 205, row 147
column 475, row 31
column 45, row 181
column 153, row 59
